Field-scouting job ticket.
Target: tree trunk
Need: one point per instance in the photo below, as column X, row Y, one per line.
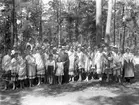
column 108, row 25
column 124, row 28
column 77, row 22
column 114, row 40
column 13, row 25
column 98, row 21
column 59, row 34
column 40, row 20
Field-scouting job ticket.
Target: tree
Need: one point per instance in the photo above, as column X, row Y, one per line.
column 108, row 29
column 98, row 21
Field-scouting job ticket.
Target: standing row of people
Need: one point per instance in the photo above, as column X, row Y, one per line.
column 64, row 64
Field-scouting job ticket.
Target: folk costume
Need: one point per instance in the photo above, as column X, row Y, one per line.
column 14, row 71
column 22, row 75
column 88, row 64
column 98, row 62
column 117, row 70
column 21, row 68
column 72, row 68
column 59, row 70
column 6, row 67
column 31, row 68
column 71, row 55
column 128, row 66
column 108, row 64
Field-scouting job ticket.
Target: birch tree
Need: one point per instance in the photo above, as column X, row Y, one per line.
column 98, row 21
column 108, row 24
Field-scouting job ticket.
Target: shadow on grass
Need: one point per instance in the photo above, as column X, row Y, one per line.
column 13, row 97
column 129, row 97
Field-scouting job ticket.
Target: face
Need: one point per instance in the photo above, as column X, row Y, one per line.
column 100, row 49
column 79, row 50
column 115, row 50
column 105, row 49
column 71, row 49
column 50, row 57
column 127, row 50
column 59, row 59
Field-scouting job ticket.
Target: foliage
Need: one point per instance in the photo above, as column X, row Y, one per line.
column 76, row 19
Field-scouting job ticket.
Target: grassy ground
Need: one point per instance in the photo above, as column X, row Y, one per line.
column 77, row 93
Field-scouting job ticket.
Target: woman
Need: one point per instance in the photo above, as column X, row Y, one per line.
column 39, row 65
column 21, row 70
column 14, row 69
column 31, row 67
column 128, row 65
column 50, row 67
column 81, row 63
column 46, row 57
column 88, row 62
column 6, row 66
column 98, row 62
column 108, row 63
column 71, row 55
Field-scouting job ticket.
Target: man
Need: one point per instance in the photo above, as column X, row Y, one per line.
column 65, row 58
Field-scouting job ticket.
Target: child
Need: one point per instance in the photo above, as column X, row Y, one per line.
column 50, row 67
column 59, row 70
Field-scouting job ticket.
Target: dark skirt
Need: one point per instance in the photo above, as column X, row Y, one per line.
column 6, row 75
column 50, row 70
column 128, row 69
column 14, row 76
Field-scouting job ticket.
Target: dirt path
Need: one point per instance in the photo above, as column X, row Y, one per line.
column 92, row 93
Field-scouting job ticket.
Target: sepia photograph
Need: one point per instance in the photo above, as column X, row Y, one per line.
column 69, row 52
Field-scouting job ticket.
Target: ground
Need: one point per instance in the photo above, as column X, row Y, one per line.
column 78, row 93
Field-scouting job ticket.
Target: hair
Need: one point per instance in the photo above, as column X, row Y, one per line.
column 29, row 47
column 50, row 55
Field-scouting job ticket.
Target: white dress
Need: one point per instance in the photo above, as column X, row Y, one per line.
column 81, row 62
column 88, row 63
column 31, row 66
column 98, row 62
column 39, row 64
column 14, row 69
column 21, row 68
column 71, row 62
column 60, row 69
column 6, row 66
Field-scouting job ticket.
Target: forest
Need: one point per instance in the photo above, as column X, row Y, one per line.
column 88, row 22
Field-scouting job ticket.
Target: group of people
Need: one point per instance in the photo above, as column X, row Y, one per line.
column 63, row 64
